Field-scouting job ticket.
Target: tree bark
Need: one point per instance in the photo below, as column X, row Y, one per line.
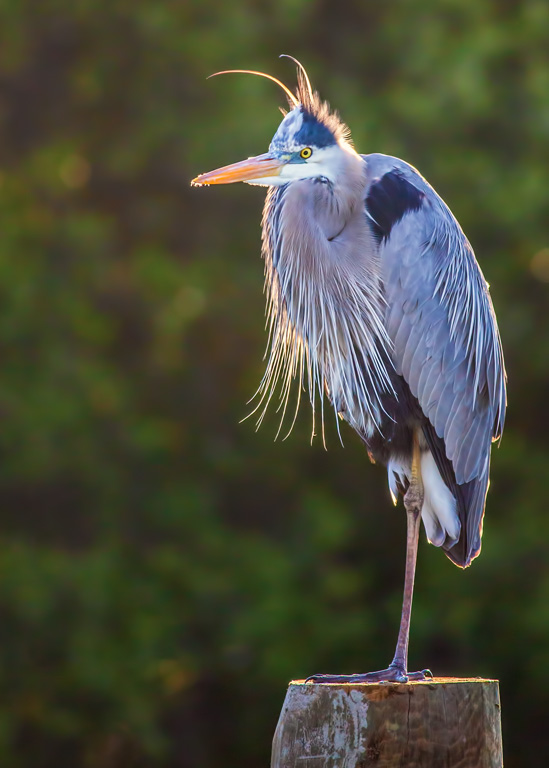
column 439, row 723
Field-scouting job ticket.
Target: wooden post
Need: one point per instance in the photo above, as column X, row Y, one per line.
column 438, row 723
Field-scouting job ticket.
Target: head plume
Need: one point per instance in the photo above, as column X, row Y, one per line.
column 305, row 98
column 292, row 100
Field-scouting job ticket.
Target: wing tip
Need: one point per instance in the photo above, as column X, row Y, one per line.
column 457, row 554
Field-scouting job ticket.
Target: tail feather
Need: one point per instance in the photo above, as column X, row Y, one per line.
column 470, row 502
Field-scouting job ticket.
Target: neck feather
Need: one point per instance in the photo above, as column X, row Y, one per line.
column 324, row 302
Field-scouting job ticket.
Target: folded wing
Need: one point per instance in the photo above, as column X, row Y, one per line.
column 443, row 328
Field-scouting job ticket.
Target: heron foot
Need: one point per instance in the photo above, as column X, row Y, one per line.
column 393, row 674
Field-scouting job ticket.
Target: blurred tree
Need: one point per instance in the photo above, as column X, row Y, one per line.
column 162, row 562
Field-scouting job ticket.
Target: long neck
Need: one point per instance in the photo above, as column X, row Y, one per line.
column 324, row 298
column 313, row 230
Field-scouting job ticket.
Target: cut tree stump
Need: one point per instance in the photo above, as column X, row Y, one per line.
column 440, row 723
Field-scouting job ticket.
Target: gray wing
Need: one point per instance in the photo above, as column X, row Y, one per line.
column 443, row 327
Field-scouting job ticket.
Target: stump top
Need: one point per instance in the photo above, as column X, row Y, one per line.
column 430, row 681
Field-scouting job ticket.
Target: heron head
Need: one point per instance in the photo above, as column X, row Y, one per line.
column 308, row 143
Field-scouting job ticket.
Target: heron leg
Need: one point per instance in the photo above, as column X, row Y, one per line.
column 397, row 671
column 413, row 503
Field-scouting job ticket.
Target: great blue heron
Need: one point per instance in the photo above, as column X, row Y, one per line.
column 376, row 299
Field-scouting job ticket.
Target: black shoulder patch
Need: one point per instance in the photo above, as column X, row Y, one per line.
column 388, row 200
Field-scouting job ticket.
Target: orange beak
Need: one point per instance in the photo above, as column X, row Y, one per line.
column 258, row 167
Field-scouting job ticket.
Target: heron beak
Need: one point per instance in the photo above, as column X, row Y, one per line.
column 262, row 166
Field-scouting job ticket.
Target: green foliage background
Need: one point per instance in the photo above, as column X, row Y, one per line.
column 165, row 570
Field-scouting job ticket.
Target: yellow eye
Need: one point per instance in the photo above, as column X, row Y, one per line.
column 306, row 153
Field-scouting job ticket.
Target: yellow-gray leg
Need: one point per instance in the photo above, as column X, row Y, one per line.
column 413, row 503
column 398, row 669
